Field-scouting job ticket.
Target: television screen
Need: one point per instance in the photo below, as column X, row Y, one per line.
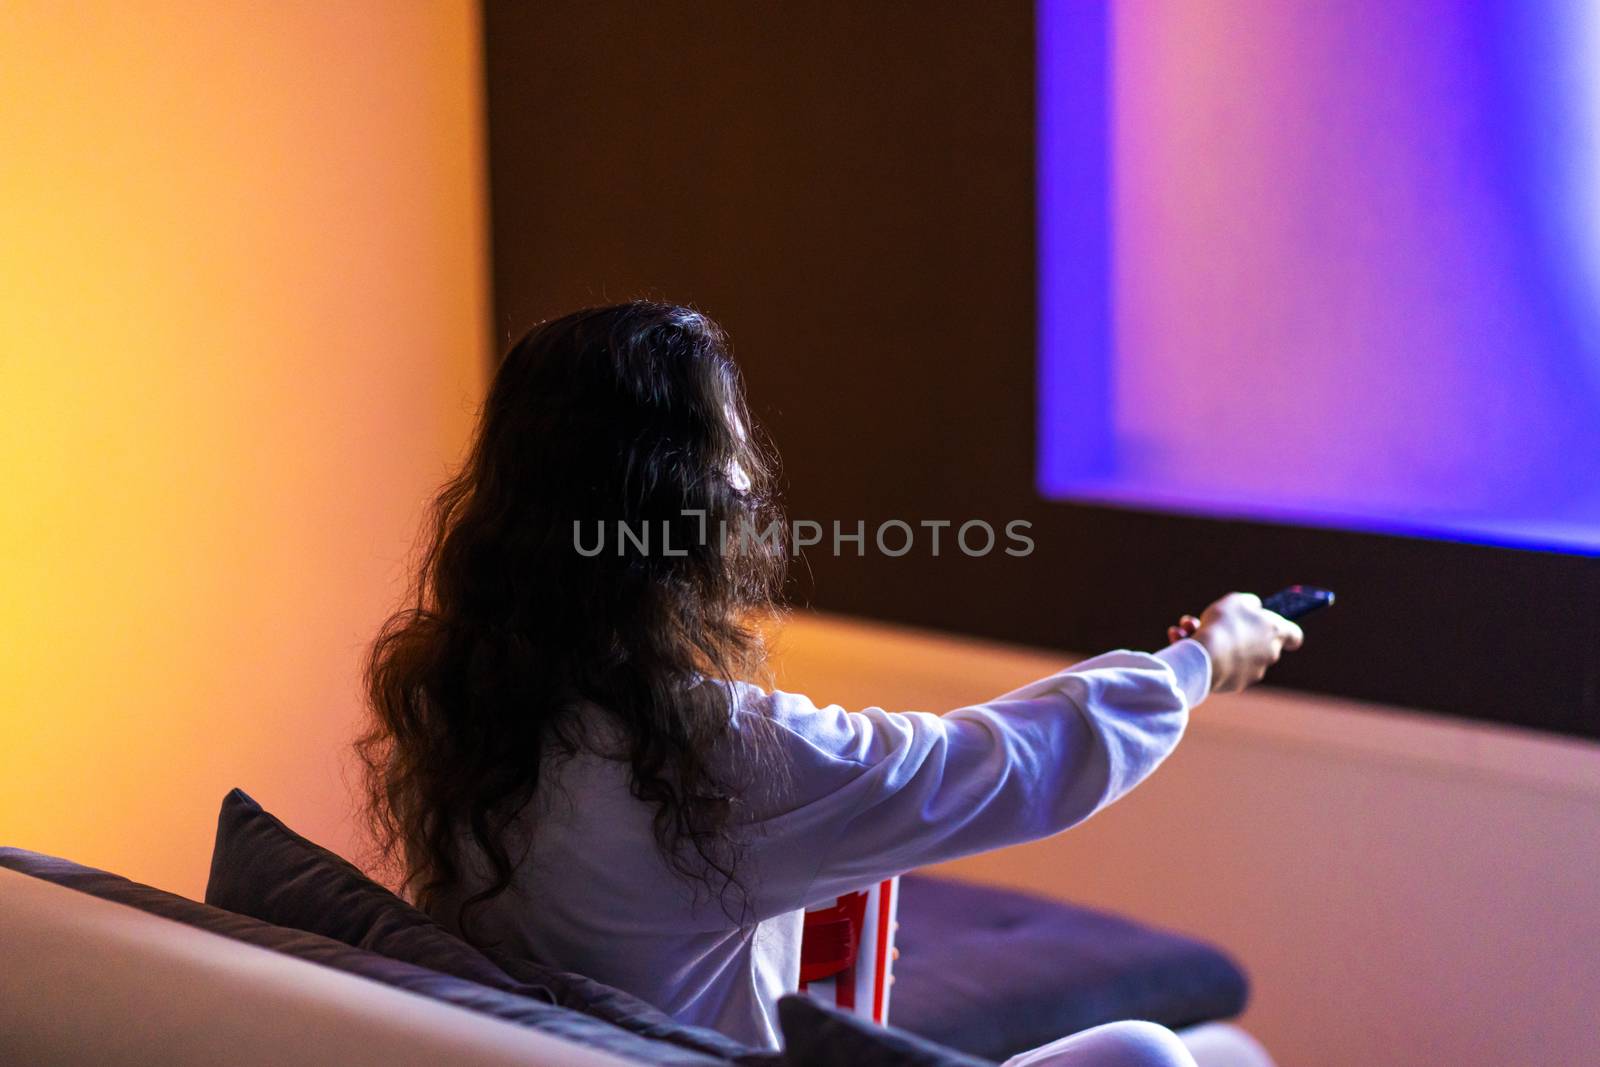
column 1332, row 265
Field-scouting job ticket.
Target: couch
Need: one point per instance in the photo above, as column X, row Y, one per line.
column 296, row 957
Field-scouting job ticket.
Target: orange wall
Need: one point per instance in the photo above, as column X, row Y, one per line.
column 242, row 334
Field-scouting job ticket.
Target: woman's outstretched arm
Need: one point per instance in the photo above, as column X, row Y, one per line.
column 874, row 793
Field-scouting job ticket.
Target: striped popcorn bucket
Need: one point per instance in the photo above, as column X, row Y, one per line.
column 847, row 951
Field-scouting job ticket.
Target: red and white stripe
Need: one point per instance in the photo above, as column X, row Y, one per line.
column 847, row 953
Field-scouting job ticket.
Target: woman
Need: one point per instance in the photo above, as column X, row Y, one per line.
column 566, row 759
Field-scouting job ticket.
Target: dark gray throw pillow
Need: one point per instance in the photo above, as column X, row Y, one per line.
column 261, row 868
column 815, row 1035
column 993, row 972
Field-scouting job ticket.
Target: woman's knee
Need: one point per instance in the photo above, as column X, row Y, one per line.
column 1136, row 1044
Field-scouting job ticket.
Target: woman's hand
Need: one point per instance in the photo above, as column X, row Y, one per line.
column 1242, row 638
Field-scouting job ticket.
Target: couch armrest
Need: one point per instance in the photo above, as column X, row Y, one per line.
column 90, row 981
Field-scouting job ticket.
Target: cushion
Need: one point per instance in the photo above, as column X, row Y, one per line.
column 995, row 972
column 815, row 1035
column 529, row 1011
column 261, row 868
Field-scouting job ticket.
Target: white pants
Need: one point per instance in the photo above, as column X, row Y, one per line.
column 1149, row 1045
column 1126, row 1044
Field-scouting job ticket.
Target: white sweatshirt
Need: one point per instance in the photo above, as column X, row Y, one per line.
column 866, row 795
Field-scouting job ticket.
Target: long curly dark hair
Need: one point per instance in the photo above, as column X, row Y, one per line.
column 632, row 413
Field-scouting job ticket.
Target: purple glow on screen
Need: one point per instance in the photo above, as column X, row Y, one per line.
column 1335, row 265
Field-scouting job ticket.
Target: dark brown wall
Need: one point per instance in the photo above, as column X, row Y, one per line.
column 848, row 188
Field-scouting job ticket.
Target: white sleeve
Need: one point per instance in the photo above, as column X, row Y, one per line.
column 872, row 794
